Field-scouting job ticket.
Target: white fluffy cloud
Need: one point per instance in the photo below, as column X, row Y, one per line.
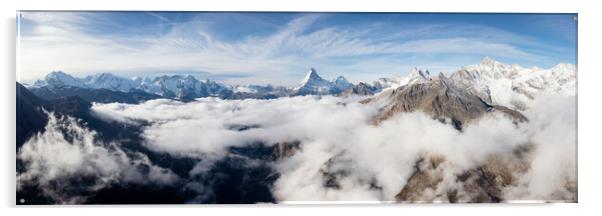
column 59, row 164
column 339, row 130
column 554, row 162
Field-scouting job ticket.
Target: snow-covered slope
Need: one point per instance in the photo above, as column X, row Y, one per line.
column 111, row 82
column 559, row 79
column 183, row 87
column 416, row 75
column 512, row 85
column 492, row 81
column 176, row 86
column 341, row 83
column 59, row 78
column 98, row 81
column 497, row 83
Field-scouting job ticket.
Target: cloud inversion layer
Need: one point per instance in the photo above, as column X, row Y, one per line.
column 339, row 130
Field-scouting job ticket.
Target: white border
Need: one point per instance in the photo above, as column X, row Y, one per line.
column 589, row 81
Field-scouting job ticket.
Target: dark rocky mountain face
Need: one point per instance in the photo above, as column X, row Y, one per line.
column 93, row 95
column 483, row 183
column 361, row 89
column 30, row 116
column 31, row 120
column 440, row 99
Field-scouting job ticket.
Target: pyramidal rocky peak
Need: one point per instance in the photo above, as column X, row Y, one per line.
column 314, row 84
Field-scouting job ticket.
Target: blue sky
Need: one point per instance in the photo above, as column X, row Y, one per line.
column 278, row 48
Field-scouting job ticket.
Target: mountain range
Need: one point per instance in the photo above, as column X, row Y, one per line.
column 492, row 81
column 98, row 87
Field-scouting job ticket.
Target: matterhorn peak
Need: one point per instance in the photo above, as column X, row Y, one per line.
column 312, row 75
column 312, row 72
column 314, row 84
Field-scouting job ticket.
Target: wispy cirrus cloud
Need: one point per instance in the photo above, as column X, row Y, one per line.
column 88, row 42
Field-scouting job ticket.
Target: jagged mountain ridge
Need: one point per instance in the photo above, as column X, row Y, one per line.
column 361, row 89
column 181, row 87
column 30, row 117
column 94, row 95
column 416, row 75
column 438, row 97
column 510, row 85
column 458, row 99
column 175, row 86
column 314, row 84
column 492, row 81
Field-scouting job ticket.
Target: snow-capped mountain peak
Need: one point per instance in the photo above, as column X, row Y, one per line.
column 489, row 68
column 110, row 81
column 312, row 77
column 341, row 79
column 59, row 78
column 492, row 81
column 564, row 67
column 314, row 84
column 137, row 79
column 488, row 61
column 493, row 65
column 415, row 75
column 418, row 74
column 183, row 87
column 511, row 85
column 342, row 83
column 58, row 75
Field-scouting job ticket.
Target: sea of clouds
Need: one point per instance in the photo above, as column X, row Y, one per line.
column 332, row 130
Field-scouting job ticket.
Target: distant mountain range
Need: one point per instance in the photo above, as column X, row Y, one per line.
column 106, row 87
column 97, row 87
column 314, row 84
column 492, row 81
